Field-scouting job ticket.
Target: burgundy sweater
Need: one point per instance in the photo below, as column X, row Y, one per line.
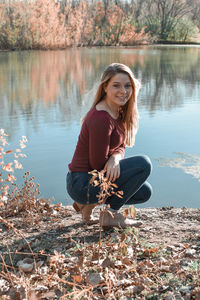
column 100, row 137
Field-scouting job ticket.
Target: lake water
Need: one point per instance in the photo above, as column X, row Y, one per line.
column 44, row 95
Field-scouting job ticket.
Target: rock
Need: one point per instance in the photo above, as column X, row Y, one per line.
column 26, row 265
column 184, row 290
column 94, row 278
column 138, row 289
column 41, row 288
column 4, row 286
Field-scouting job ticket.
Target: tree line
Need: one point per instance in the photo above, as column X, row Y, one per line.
column 58, row 24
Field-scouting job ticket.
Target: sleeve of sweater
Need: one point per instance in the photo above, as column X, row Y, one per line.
column 100, row 130
column 121, row 149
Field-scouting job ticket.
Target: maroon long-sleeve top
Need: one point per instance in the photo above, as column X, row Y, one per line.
column 100, row 137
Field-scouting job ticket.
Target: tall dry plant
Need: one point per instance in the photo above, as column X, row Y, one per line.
column 8, row 166
column 131, row 37
column 106, row 187
column 14, row 199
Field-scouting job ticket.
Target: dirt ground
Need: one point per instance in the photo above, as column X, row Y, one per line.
column 158, row 260
column 160, row 226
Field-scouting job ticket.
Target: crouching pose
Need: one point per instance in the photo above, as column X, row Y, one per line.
column 110, row 125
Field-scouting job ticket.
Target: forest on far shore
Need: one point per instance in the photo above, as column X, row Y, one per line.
column 50, row 24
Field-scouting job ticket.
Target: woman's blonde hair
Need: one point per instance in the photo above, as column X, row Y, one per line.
column 129, row 111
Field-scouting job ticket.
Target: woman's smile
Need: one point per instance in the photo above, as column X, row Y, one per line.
column 118, row 90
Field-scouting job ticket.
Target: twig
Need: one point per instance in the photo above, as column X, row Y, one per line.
column 22, row 236
column 4, row 264
column 81, row 292
column 9, row 255
column 29, row 253
column 7, row 266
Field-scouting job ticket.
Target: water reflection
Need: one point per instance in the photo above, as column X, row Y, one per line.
column 37, row 80
column 170, row 75
column 189, row 163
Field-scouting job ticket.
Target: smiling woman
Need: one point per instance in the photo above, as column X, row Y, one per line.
column 110, row 126
column 118, row 91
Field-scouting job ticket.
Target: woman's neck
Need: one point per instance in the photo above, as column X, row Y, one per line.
column 112, row 109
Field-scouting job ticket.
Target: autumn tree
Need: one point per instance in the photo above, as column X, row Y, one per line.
column 52, row 24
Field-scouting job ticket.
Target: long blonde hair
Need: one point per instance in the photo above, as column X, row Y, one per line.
column 129, row 111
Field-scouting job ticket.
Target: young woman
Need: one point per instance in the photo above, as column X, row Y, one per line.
column 109, row 126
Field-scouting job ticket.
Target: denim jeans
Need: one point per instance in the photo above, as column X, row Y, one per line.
column 132, row 181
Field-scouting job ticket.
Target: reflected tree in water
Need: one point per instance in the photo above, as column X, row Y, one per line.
column 66, row 80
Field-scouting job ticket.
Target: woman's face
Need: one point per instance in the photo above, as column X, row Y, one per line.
column 119, row 89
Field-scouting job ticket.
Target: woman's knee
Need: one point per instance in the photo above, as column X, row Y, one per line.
column 147, row 164
column 137, row 163
column 148, row 191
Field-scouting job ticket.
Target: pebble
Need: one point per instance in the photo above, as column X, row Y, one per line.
column 4, row 286
column 184, row 290
column 190, row 252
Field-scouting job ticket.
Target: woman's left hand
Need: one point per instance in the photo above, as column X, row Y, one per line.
column 112, row 167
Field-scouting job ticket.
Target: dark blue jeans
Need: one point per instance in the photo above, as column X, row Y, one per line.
column 132, row 181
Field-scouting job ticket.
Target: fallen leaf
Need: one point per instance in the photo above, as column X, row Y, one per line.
column 123, row 237
column 77, row 278
column 132, row 211
column 126, row 261
column 95, row 256
column 9, row 151
column 93, row 178
column 114, row 185
column 125, row 213
column 107, row 263
column 150, row 251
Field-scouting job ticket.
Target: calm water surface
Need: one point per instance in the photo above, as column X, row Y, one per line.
column 44, row 95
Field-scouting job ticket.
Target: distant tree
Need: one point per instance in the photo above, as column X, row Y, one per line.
column 163, row 16
column 184, row 31
column 195, row 13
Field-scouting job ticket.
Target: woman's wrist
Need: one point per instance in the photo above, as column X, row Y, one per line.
column 117, row 156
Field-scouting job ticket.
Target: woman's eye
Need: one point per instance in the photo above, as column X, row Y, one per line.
column 116, row 85
column 128, row 86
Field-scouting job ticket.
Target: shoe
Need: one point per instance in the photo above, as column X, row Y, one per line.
column 110, row 219
column 77, row 206
column 86, row 212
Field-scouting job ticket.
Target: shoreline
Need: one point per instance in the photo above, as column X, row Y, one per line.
column 163, row 43
column 163, row 225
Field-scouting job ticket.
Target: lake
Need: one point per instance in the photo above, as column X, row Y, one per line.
column 44, row 95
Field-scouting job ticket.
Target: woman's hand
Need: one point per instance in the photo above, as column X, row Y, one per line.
column 112, row 167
